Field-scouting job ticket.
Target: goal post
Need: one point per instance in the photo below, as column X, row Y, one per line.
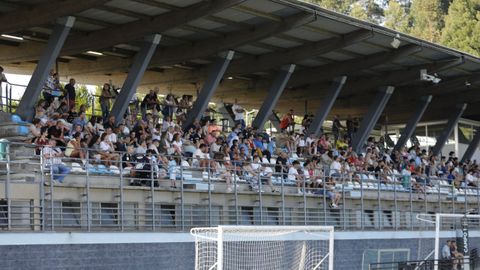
column 455, row 228
column 264, row 247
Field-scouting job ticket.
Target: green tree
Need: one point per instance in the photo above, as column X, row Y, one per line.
column 358, row 11
column 426, row 18
column 396, row 17
column 84, row 97
column 462, row 26
column 335, row 5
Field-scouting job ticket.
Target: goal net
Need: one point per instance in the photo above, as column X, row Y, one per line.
column 264, row 247
column 454, row 246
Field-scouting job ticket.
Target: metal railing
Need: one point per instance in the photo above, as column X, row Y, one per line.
column 94, row 196
column 7, row 102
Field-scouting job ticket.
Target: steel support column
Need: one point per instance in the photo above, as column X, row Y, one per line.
column 327, row 104
column 140, row 64
column 412, row 123
column 216, row 73
column 276, row 90
column 451, row 124
column 26, row 107
column 472, row 147
column 371, row 118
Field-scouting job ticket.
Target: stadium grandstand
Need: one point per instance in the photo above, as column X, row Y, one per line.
column 231, row 112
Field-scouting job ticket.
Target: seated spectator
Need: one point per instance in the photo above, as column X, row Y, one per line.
column 57, row 133
column 34, row 130
column 107, row 151
column 293, row 175
column 327, row 188
column 53, row 161
column 266, row 174
column 74, row 148
column 129, row 161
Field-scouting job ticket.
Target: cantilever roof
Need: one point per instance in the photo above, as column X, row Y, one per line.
column 265, row 34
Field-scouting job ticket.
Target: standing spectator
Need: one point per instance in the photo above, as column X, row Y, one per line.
column 48, row 88
column 53, row 161
column 105, row 98
column 71, row 95
column 350, row 127
column 238, row 111
column 2, row 76
column 336, row 126
column 149, row 102
column 287, row 121
column 2, row 79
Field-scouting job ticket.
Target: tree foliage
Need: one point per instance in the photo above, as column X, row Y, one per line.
column 396, row 17
column 454, row 23
column 426, row 18
column 462, row 27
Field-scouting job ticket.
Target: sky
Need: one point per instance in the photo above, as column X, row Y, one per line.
column 17, row 91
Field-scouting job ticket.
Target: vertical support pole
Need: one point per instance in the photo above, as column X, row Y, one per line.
column 451, row 124
column 55, row 43
column 42, row 189
column 182, row 201
column 412, row 123
column 282, row 190
column 220, row 248
column 331, row 247
column 218, row 69
column 327, row 104
column 472, row 147
column 437, row 240
column 140, row 64
column 122, row 210
column 372, row 116
column 152, row 195
column 87, row 183
column 52, row 211
column 7, row 190
column 260, row 199
column 274, row 93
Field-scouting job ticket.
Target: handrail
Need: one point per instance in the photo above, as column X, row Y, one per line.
column 47, row 211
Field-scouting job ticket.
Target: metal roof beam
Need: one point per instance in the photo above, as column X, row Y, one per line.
column 296, row 54
column 208, row 47
column 43, row 13
column 115, row 35
column 345, row 67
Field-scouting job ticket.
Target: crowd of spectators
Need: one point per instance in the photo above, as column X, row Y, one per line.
column 152, row 130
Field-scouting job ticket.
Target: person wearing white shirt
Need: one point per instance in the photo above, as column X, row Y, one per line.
column 266, row 173
column 239, row 114
column 335, row 167
column 202, row 158
column 470, row 179
column 446, row 253
column 293, row 175
column 53, row 161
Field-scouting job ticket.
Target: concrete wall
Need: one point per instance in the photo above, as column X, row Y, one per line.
column 179, row 255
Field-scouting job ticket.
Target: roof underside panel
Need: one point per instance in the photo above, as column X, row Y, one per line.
column 106, row 16
column 136, row 7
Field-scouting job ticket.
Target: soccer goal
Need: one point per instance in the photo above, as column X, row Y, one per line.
column 264, row 247
column 455, row 229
